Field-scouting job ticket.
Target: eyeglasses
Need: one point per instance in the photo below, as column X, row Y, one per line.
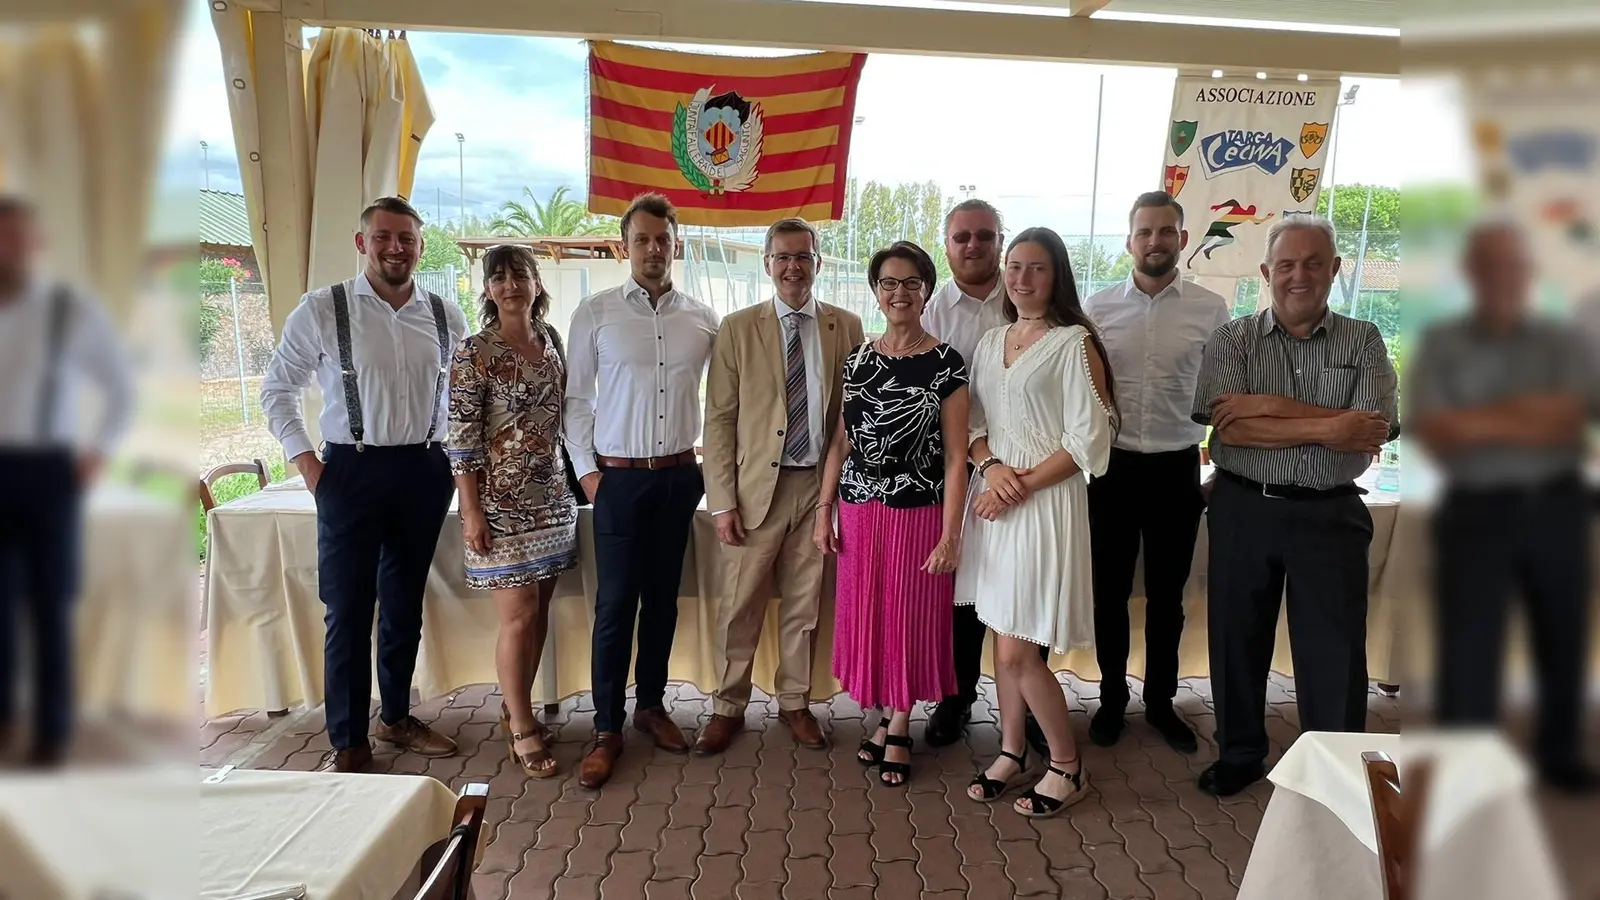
column 783, row 259
column 890, row 285
column 984, row 236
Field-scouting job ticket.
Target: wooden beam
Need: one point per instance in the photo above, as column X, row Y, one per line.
column 1086, row 8
column 1466, row 53
column 795, row 24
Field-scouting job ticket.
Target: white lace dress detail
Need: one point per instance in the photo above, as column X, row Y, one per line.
column 1029, row 572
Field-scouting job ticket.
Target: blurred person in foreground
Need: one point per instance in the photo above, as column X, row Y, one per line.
column 1300, row 399
column 51, row 338
column 1500, row 400
column 378, row 345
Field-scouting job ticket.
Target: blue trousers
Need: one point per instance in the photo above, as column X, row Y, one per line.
column 379, row 514
column 40, row 556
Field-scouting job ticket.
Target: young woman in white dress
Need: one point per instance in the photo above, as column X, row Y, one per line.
column 1043, row 419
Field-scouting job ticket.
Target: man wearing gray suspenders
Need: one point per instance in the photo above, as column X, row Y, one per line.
column 50, row 337
column 379, row 347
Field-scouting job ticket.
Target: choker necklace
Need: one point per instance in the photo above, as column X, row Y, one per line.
column 1023, row 318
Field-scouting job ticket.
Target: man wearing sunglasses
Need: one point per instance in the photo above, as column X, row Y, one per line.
column 772, row 400
column 958, row 313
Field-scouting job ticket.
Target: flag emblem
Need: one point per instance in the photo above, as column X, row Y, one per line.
column 1302, row 182
column 716, row 141
column 1174, row 179
column 1312, row 137
column 1182, row 136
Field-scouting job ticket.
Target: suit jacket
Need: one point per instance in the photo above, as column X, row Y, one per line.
column 746, row 410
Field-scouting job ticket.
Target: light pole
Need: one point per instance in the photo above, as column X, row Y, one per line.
column 853, row 202
column 1348, row 99
column 461, row 165
column 205, row 162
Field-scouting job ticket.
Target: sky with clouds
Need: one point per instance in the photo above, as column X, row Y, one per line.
column 1022, row 132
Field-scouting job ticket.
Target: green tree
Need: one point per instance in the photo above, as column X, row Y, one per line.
column 556, row 217
column 1349, row 211
column 439, row 250
column 885, row 213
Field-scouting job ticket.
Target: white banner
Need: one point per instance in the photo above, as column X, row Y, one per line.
column 1538, row 143
column 1240, row 154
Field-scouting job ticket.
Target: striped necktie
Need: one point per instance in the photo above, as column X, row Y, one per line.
column 797, row 437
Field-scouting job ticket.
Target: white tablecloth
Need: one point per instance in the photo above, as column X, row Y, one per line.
column 1481, row 836
column 84, row 835
column 346, row 837
column 265, row 620
column 136, row 625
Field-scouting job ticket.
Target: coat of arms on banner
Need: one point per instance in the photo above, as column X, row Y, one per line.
column 717, row 141
column 1312, row 137
column 1182, row 136
column 1176, row 177
column 1302, row 182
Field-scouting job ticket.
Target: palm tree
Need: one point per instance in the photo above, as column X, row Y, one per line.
column 555, row 217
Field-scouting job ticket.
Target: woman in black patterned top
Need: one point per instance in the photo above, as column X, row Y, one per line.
column 898, row 468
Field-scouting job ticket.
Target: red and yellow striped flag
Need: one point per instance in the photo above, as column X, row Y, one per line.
column 729, row 140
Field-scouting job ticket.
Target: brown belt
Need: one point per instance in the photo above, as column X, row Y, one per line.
column 686, row 458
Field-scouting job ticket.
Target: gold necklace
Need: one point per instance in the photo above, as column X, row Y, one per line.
column 901, row 351
column 1018, row 344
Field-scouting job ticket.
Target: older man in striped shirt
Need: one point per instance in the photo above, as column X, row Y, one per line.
column 1300, row 399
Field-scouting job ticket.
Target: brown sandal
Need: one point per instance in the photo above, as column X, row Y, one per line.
column 539, row 763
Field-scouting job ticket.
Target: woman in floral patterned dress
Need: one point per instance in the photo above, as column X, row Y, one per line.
column 518, row 516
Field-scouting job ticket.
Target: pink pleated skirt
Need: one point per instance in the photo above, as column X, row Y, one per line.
column 892, row 620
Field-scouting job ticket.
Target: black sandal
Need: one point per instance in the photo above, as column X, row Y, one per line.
column 994, row 789
column 875, row 751
column 1043, row 807
column 887, row 768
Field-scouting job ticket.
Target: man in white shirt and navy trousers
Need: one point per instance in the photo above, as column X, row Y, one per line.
column 51, row 338
column 1155, row 326
column 636, row 357
column 379, row 347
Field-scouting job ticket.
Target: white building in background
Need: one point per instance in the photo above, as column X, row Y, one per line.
column 728, row 274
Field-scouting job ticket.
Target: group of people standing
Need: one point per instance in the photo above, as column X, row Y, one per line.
column 992, row 462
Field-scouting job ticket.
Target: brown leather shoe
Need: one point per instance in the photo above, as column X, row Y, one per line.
column 598, row 765
column 410, row 734
column 665, row 732
column 807, row 730
column 718, row 734
column 348, row 760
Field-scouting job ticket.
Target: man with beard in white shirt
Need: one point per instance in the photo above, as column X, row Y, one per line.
column 637, row 353
column 959, row 313
column 1155, row 326
column 379, row 347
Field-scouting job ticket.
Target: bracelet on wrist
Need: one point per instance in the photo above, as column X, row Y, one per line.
column 987, row 464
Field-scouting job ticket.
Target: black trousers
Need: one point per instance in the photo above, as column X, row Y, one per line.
column 1153, row 497
column 1319, row 548
column 1489, row 545
column 40, row 557
column 642, row 520
column 379, row 514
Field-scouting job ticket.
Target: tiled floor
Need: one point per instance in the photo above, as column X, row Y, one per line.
column 768, row 820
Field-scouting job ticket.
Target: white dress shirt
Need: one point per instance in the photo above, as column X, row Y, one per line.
column 959, row 319
column 1155, row 345
column 396, row 355
column 811, row 347
column 90, row 347
column 634, row 374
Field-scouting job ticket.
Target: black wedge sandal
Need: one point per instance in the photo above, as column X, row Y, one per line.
column 887, row 768
column 1043, row 807
column 994, row 789
column 871, row 754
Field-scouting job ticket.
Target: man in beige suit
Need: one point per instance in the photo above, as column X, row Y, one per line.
column 772, row 402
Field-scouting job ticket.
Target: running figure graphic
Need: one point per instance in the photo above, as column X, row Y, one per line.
column 1219, row 234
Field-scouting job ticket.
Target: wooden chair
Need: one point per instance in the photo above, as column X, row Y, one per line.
column 1397, row 819
column 447, row 865
column 258, row 467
